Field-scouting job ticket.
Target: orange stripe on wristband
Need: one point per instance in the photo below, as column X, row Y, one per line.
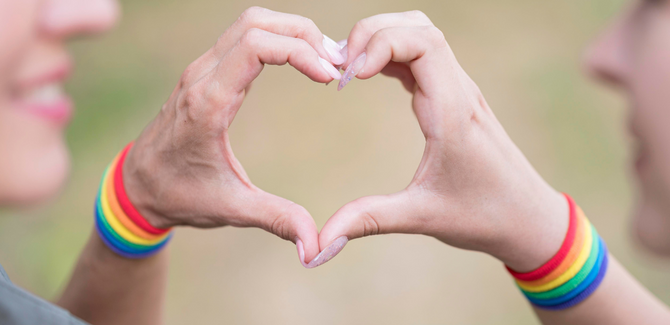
column 124, row 201
column 116, row 208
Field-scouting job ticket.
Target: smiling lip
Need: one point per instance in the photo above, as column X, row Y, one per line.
column 58, row 111
column 44, row 97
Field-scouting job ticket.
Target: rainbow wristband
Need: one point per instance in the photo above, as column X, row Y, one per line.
column 573, row 273
column 124, row 231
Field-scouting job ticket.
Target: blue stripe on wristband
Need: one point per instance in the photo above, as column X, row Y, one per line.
column 593, row 274
column 117, row 246
column 590, row 289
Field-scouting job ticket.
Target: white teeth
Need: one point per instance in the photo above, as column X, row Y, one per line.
column 46, row 94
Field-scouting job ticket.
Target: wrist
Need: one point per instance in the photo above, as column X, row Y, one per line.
column 537, row 234
column 120, row 226
column 141, row 186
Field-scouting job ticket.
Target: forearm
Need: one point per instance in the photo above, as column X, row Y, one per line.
column 620, row 299
column 106, row 288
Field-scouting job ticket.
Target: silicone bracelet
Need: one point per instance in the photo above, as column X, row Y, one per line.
column 119, row 228
column 117, row 246
column 559, row 256
column 590, row 289
column 592, row 274
column 574, row 282
column 115, row 237
column 116, row 208
column 574, row 268
column 116, row 250
column 124, row 202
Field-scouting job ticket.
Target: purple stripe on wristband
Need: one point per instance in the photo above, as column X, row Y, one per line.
column 117, row 250
column 589, row 290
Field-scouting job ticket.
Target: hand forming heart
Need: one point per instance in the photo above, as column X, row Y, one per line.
column 473, row 189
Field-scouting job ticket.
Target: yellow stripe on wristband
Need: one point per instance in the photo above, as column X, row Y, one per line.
column 114, row 222
column 570, row 272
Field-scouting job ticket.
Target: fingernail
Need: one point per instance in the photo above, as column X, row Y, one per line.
column 352, row 70
column 301, row 252
column 344, row 51
column 332, row 71
column 342, row 43
column 327, row 254
column 333, row 50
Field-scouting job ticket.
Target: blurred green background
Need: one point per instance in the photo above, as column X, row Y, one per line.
column 321, row 149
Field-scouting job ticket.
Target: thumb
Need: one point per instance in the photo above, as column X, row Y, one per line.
column 285, row 219
column 370, row 215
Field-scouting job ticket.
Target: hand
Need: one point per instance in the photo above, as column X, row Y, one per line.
column 473, row 189
column 182, row 171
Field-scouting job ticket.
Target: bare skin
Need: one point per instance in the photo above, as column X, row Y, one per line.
column 474, row 189
column 181, row 171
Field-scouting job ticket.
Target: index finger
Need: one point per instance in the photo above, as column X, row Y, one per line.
column 277, row 23
column 364, row 29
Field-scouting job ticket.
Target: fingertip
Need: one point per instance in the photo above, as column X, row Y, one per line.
column 328, row 253
column 333, row 49
column 307, row 234
column 301, row 251
column 330, row 69
column 353, row 70
column 341, row 224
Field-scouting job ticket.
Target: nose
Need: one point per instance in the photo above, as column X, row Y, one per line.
column 67, row 18
column 606, row 58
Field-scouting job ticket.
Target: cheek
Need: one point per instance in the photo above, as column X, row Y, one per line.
column 652, row 227
column 17, row 25
column 649, row 85
column 35, row 160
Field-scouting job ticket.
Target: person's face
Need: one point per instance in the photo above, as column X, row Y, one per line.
column 34, row 111
column 634, row 55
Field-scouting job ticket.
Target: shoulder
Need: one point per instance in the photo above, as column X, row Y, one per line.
column 19, row 307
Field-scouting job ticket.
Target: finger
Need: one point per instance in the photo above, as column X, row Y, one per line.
column 409, row 45
column 215, row 98
column 402, row 72
column 373, row 215
column 364, row 29
column 281, row 24
column 275, row 22
column 257, row 47
column 281, row 217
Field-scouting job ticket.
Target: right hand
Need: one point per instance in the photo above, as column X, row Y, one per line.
column 182, row 171
column 474, row 189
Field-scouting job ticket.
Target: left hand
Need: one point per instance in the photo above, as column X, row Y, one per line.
column 474, row 189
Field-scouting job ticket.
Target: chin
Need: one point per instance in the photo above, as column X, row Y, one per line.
column 34, row 175
column 651, row 224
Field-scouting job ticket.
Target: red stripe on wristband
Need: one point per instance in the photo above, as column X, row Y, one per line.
column 125, row 203
column 555, row 261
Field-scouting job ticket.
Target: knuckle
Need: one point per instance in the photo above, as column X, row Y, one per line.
column 252, row 38
column 302, row 46
column 281, row 223
column 370, row 224
column 434, row 34
column 278, row 226
column 307, row 22
column 417, row 15
column 367, row 218
column 252, row 13
column 360, row 26
column 309, row 28
column 383, row 36
column 188, row 75
column 192, row 98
